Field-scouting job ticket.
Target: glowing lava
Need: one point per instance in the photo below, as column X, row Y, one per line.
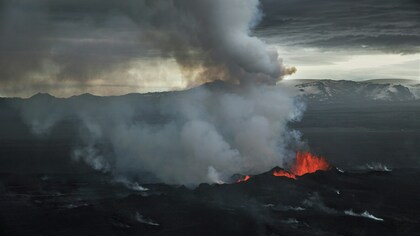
column 305, row 163
column 284, row 173
column 246, row 178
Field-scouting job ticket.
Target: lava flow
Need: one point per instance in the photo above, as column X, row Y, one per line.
column 305, row 163
column 246, row 178
column 284, row 173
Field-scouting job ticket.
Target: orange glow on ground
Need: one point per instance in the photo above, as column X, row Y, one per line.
column 284, row 174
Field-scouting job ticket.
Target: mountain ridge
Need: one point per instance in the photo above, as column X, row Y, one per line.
column 372, row 90
column 388, row 90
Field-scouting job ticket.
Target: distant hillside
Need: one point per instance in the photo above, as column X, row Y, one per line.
column 381, row 90
column 371, row 90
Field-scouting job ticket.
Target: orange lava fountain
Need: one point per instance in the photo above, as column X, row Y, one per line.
column 305, row 163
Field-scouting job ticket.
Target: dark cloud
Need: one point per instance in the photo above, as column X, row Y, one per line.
column 389, row 26
column 80, row 40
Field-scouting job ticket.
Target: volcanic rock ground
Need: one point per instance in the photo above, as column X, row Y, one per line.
column 315, row 204
column 376, row 144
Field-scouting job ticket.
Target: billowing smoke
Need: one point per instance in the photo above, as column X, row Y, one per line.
column 70, row 46
column 211, row 40
column 206, row 134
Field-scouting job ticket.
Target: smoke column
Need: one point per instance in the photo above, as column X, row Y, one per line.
column 214, row 38
column 205, row 134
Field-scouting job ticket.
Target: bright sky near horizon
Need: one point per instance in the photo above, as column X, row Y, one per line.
column 313, row 63
column 109, row 47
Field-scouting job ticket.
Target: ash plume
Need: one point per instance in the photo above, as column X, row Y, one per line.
column 221, row 44
column 62, row 45
column 206, row 134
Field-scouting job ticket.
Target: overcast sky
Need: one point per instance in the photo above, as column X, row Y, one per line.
column 339, row 39
column 107, row 47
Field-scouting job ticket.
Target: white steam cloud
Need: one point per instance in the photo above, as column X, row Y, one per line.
column 201, row 135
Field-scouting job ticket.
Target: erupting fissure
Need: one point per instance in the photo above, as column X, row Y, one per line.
column 305, row 163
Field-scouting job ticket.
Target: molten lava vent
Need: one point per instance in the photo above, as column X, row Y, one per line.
column 305, row 163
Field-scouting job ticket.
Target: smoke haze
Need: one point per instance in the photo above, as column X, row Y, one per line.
column 206, row 134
